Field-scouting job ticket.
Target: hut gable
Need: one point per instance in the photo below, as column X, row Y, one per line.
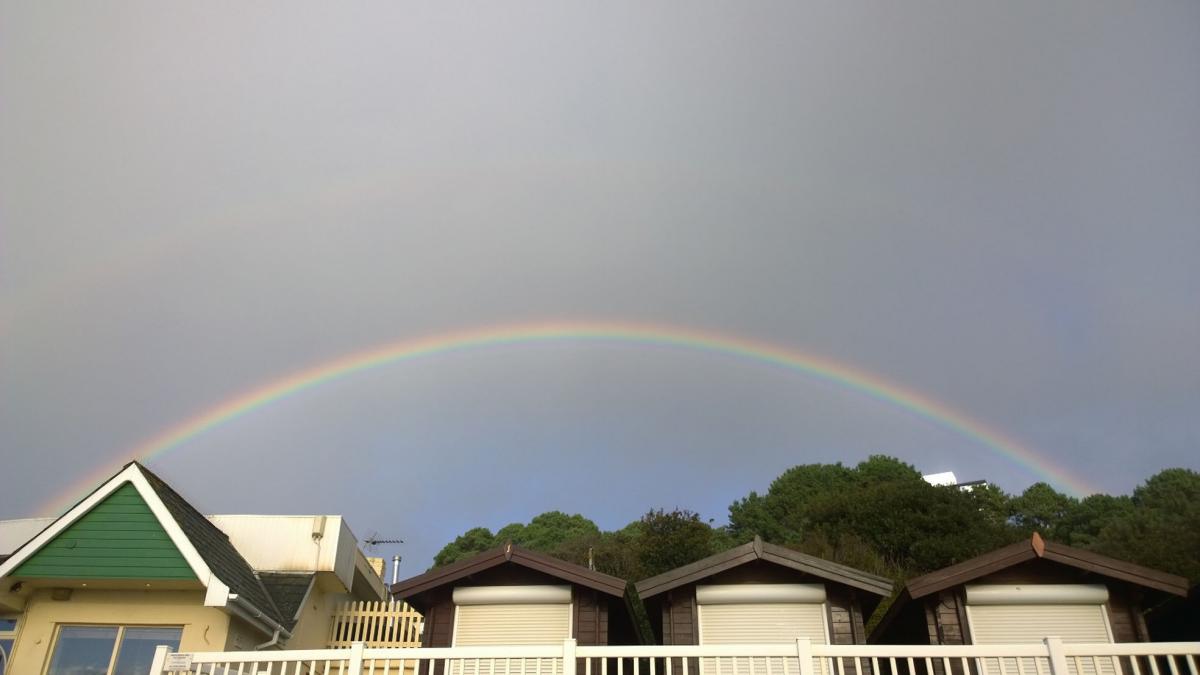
column 755, row 590
column 1014, row 589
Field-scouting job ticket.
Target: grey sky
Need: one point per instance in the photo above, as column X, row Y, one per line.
column 997, row 206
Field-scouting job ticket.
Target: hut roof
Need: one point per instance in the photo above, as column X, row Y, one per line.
column 1034, row 548
column 760, row 550
column 508, row 553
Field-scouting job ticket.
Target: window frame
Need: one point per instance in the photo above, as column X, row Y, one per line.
column 115, row 656
column 11, row 636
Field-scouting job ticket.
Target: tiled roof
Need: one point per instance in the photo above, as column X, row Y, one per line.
column 214, row 547
column 288, row 589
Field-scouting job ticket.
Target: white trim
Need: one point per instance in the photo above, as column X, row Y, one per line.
column 1107, row 625
column 217, row 593
column 759, row 594
column 512, row 595
column 1036, row 594
column 827, row 612
column 132, row 475
column 970, row 624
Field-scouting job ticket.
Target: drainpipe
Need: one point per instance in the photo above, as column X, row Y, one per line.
column 269, row 643
column 252, row 612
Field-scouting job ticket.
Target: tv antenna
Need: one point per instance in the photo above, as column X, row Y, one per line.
column 373, row 541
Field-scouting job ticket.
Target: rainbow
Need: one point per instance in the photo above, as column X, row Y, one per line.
column 818, row 367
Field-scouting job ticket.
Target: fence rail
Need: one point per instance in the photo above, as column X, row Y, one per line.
column 375, row 624
column 1051, row 657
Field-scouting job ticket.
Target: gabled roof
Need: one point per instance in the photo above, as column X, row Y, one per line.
column 569, row 572
column 1035, row 547
column 214, row 547
column 760, row 550
column 215, row 562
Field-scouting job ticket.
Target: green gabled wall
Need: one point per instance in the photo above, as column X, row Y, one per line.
column 120, row 538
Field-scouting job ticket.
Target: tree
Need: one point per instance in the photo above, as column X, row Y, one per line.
column 546, row 533
column 914, row 526
column 881, row 468
column 879, row 516
column 1042, row 508
column 1162, row 530
column 1083, row 524
column 671, row 539
column 473, row 541
column 782, row 514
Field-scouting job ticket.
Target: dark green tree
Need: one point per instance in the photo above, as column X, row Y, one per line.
column 473, row 541
column 1086, row 520
column 1043, row 509
column 782, row 514
column 671, row 539
column 1162, row 530
column 548, row 531
column 914, row 526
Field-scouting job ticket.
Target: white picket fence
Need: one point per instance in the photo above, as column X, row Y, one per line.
column 1051, row 657
column 375, row 624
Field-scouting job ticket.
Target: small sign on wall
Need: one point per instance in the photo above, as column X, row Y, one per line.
column 178, row 661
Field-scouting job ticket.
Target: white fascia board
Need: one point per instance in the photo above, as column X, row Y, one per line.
column 216, row 593
column 131, row 474
column 185, row 546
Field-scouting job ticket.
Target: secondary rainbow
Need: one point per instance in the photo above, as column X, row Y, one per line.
column 587, row 331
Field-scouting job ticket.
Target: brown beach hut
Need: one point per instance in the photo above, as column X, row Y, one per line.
column 761, row 593
column 511, row 596
column 1025, row 592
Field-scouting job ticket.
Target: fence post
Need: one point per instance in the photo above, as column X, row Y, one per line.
column 160, row 660
column 568, row 656
column 805, row 655
column 1058, row 660
column 356, row 656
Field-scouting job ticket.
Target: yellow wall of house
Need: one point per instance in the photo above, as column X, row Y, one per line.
column 204, row 628
column 312, row 628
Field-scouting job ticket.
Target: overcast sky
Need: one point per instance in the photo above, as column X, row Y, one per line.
column 994, row 204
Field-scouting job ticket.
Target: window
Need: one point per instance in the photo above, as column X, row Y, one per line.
column 109, row 650
column 8, row 635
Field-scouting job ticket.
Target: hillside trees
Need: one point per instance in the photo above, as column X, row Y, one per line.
column 879, row 516
column 1161, row 527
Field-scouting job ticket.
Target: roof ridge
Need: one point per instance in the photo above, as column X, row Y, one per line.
column 757, row 549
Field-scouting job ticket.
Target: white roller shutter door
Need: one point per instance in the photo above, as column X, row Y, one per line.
column 511, row 625
column 1008, row 624
column 524, row 621
column 761, row 624
column 775, row 619
column 1032, row 622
